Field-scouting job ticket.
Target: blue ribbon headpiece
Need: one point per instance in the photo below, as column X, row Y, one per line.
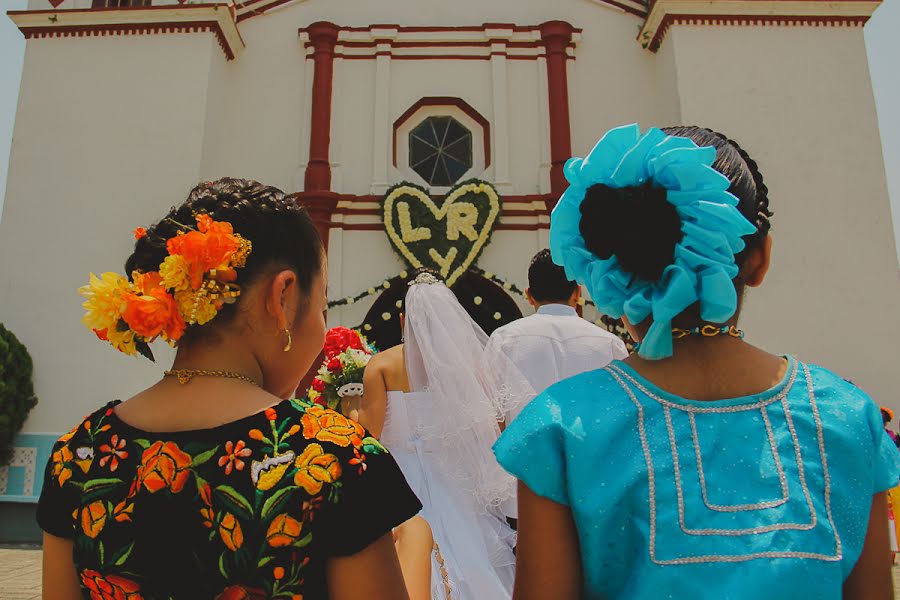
column 704, row 265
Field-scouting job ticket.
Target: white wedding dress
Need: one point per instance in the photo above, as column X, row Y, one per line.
column 441, row 435
column 474, row 544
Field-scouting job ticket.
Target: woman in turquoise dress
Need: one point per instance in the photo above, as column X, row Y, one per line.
column 701, row 466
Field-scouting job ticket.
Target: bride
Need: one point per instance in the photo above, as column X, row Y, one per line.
column 435, row 401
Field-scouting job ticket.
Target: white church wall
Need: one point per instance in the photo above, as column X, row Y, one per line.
column 799, row 99
column 257, row 119
column 101, row 146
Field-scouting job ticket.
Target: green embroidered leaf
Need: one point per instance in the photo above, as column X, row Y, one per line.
column 372, row 446
column 304, row 541
column 100, row 550
column 264, row 561
column 275, row 500
column 121, row 556
column 142, row 443
column 235, row 500
column 212, row 534
column 222, row 568
column 203, row 458
column 95, row 484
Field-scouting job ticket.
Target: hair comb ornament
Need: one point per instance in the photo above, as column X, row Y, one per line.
column 425, row 278
column 712, row 228
column 194, row 282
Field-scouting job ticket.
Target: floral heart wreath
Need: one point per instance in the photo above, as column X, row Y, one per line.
column 192, row 285
column 712, row 227
column 341, row 375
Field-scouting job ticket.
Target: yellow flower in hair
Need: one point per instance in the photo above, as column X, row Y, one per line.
column 176, row 273
column 105, row 299
column 123, row 341
column 197, row 305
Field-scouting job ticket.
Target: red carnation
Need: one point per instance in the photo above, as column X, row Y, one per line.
column 335, row 366
column 339, row 339
column 318, row 385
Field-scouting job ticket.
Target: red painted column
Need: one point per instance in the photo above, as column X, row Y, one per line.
column 323, row 37
column 557, row 35
column 317, row 196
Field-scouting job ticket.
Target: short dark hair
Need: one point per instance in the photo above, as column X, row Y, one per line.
column 547, row 281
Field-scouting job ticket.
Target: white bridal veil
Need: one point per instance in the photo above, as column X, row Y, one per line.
column 470, row 384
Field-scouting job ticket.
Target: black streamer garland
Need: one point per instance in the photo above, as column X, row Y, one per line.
column 614, row 326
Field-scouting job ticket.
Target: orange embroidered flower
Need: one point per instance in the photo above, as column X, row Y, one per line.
column 230, row 531
column 330, row 426
column 315, row 468
column 256, row 434
column 233, row 454
column 139, row 233
column 278, row 573
column 283, row 531
column 113, row 452
column 271, row 414
column 62, row 468
column 93, row 518
column 239, row 592
column 164, row 466
column 359, row 460
column 151, row 310
column 123, row 511
column 110, row 587
column 209, row 517
column 293, row 430
column 206, row 494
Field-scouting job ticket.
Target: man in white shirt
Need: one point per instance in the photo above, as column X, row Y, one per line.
column 554, row 343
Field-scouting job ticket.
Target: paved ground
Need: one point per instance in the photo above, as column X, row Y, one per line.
column 20, row 574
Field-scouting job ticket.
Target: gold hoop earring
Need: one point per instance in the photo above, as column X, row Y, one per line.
column 287, row 347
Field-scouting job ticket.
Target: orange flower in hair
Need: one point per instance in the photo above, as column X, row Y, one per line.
column 194, row 282
column 205, row 250
column 150, row 310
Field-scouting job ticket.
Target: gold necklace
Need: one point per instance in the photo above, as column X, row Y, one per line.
column 185, row 375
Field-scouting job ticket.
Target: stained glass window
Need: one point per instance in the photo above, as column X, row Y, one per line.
column 440, row 150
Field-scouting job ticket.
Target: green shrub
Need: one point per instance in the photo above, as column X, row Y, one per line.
column 16, row 390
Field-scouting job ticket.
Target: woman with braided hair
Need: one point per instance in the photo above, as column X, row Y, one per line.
column 701, row 466
column 213, row 483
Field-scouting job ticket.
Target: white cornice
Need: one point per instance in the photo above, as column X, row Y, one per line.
column 217, row 18
column 664, row 13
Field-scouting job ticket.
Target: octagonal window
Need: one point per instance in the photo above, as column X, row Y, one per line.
column 440, row 150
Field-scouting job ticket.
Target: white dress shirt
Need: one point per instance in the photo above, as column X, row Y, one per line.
column 554, row 344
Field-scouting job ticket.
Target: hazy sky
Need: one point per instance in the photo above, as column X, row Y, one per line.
column 880, row 42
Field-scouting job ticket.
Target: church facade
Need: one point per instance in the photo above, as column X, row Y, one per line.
column 429, row 133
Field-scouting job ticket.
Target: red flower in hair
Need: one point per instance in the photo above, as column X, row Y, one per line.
column 339, row 339
column 139, row 233
column 335, row 366
column 318, row 385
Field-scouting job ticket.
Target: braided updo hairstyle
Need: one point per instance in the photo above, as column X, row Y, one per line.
column 281, row 231
column 641, row 228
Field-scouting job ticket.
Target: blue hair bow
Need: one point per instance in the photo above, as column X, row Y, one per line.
column 704, row 265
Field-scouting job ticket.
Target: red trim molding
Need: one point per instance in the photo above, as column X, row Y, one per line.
column 742, row 13
column 557, row 35
column 473, row 42
column 459, row 103
column 320, row 205
column 218, row 19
